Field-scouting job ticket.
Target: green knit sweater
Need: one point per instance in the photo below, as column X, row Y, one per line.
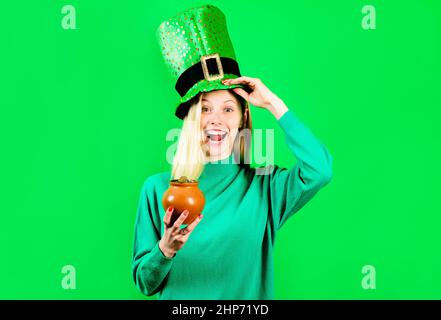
column 230, row 253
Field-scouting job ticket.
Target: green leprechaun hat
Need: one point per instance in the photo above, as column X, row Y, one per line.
column 198, row 51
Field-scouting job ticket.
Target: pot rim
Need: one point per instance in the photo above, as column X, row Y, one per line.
column 183, row 184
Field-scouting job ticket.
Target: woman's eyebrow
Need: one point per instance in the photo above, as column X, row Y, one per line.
column 224, row 101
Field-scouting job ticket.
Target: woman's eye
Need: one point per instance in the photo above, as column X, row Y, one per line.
column 229, row 109
column 204, row 109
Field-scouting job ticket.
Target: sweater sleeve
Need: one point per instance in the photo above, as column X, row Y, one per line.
column 149, row 265
column 290, row 189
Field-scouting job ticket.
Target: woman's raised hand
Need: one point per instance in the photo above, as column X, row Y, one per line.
column 260, row 96
column 174, row 236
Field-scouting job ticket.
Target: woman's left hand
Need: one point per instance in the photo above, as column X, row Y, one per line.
column 260, row 96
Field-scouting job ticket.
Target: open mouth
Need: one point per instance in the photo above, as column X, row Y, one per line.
column 215, row 136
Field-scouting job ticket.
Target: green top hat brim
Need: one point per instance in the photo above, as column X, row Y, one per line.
column 204, row 86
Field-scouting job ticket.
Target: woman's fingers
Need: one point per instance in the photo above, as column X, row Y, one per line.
column 242, row 79
column 167, row 216
column 179, row 221
column 193, row 225
column 242, row 93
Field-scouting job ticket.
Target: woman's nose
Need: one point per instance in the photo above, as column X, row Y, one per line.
column 215, row 119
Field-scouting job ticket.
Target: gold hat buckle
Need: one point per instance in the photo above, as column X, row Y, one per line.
column 208, row 76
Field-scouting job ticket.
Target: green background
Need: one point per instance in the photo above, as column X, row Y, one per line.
column 84, row 115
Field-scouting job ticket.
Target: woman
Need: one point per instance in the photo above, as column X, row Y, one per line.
column 227, row 252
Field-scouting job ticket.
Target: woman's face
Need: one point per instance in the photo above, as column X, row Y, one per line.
column 220, row 121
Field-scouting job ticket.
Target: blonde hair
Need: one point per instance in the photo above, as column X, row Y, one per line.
column 190, row 158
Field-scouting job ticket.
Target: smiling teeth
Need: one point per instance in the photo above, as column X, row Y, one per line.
column 211, row 133
column 215, row 132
